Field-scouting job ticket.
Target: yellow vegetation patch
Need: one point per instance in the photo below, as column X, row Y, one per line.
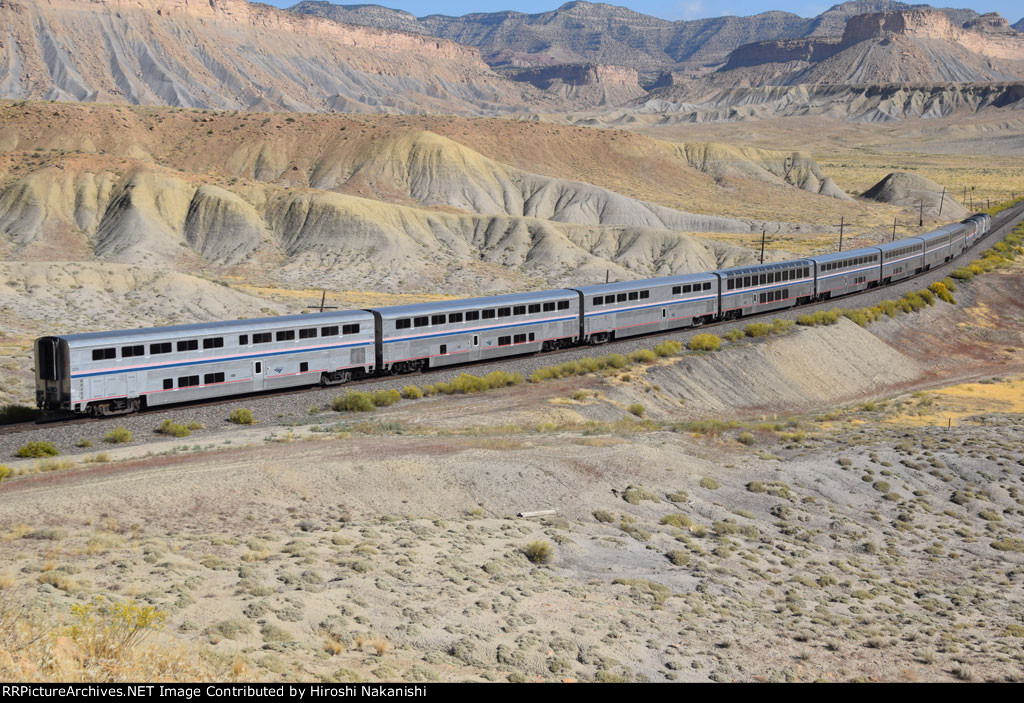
column 963, row 400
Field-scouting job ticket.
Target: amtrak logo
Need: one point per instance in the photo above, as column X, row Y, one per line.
column 279, row 369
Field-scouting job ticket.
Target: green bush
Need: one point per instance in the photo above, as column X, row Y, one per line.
column 710, row 483
column 668, row 348
column 242, row 416
column 758, row 329
column 118, row 435
column 941, row 291
column 353, row 401
column 169, row 427
column 677, row 520
column 637, row 409
column 643, row 356
column 745, row 438
column 734, row 335
column 383, row 399
column 678, row 557
column 36, row 450
column 412, row 393
column 822, row 317
column 5, row 472
column 704, row 342
column 539, row 552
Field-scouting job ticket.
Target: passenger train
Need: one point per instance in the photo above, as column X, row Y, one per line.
column 109, row 373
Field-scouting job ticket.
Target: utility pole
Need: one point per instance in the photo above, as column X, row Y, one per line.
column 762, row 246
column 965, row 196
column 607, row 274
column 972, row 202
column 920, row 221
column 894, row 228
column 842, row 224
column 942, row 200
column 322, row 306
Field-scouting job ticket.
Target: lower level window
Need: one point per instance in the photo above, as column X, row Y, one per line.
column 213, row 378
column 186, row 381
column 503, row 341
column 304, row 367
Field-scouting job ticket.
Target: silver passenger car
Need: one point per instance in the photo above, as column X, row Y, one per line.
column 460, row 331
column 752, row 289
column 113, row 372
column 901, row 259
column 615, row 310
column 942, row 244
column 846, row 272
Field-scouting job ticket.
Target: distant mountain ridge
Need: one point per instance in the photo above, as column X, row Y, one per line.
column 581, row 32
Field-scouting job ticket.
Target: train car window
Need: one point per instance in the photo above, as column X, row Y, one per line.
column 420, row 321
column 519, row 339
column 563, row 304
column 213, row 342
column 188, row 345
column 160, row 348
column 350, row 329
column 455, row 317
column 403, row 324
column 304, row 367
column 550, row 307
column 489, row 314
column 504, row 312
column 730, row 284
column 285, row 335
column 634, row 295
column 135, row 350
column 332, row 331
column 168, row 384
column 101, row 354
column 188, row 381
column 762, row 279
column 535, row 308
column 307, row 333
column 504, row 341
column 621, row 297
column 437, row 319
column 243, row 340
column 519, row 310
column 599, row 300
column 472, row 315
column 213, row 378
column 676, row 290
column 262, row 338
column 645, row 294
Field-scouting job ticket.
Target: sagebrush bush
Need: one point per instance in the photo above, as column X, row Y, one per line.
column 5, row 472
column 412, row 393
column 643, row 356
column 677, row 520
column 941, row 291
column 173, row 429
column 539, row 552
column 242, row 416
column 383, row 399
column 36, row 450
column 735, row 335
column 118, row 435
column 758, row 329
column 353, row 401
column 668, row 348
column 704, row 342
column 637, row 409
column 710, row 483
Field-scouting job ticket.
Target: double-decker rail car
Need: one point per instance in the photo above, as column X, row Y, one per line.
column 901, row 259
column 429, row 335
column 746, row 290
column 936, row 246
column 846, row 272
column 615, row 310
column 980, row 225
column 109, row 373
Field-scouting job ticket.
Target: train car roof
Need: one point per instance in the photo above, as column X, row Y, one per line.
column 624, row 286
column 840, row 255
column 758, row 268
column 208, row 328
column 471, row 303
column 900, row 243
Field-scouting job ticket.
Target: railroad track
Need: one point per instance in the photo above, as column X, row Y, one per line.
column 1000, row 223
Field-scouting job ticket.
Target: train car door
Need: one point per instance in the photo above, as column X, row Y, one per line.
column 257, row 375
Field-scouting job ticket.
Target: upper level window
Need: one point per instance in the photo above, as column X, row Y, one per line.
column 307, row 333
column 188, row 345
column 213, row 343
column 285, row 335
column 472, row 315
column 262, row 338
column 134, row 350
column 350, row 329
column 101, row 354
column 403, row 324
column 332, row 331
column 563, row 304
column 437, row 319
column 160, row 348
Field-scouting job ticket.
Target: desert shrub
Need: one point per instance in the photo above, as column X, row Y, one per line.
column 704, row 342
column 710, row 483
column 745, row 438
column 502, row 379
column 353, row 401
column 83, row 443
column 758, row 329
column 242, row 416
column 37, row 450
column 603, row 516
column 617, row 361
column 17, row 413
column 734, row 335
column 195, row 425
column 637, row 409
column 539, row 552
column 173, row 429
column 118, row 435
column 676, row 520
column 634, row 494
column 643, row 356
column 5, row 472
column 941, row 291
column 678, row 557
column 780, row 326
column 412, row 392
column 668, row 348
column 383, row 399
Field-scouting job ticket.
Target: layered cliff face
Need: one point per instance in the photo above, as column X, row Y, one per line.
column 233, row 54
column 908, row 46
column 584, row 85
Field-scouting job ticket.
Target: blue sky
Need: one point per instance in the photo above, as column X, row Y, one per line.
column 669, row 9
